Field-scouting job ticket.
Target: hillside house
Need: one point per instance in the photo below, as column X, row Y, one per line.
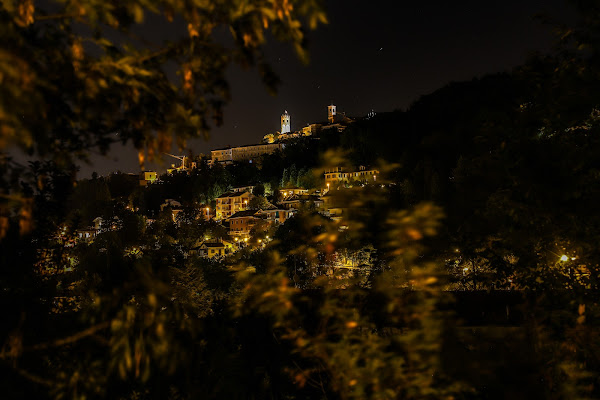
column 211, row 250
column 242, row 222
column 230, row 203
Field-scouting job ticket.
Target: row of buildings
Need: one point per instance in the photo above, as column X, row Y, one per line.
column 235, row 211
column 248, row 153
column 233, row 208
column 335, row 121
column 238, row 200
column 275, row 141
column 272, row 142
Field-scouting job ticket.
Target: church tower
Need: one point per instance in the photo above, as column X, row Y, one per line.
column 331, row 113
column 285, row 122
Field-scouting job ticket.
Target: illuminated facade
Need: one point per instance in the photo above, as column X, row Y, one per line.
column 212, row 249
column 222, row 155
column 230, row 203
column 243, row 153
column 292, row 190
column 311, row 129
column 331, row 112
column 242, row 222
column 147, row 177
column 337, row 175
column 285, row 122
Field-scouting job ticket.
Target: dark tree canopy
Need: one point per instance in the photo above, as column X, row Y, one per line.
column 468, row 269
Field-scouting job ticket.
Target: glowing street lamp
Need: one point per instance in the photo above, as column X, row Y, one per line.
column 564, row 257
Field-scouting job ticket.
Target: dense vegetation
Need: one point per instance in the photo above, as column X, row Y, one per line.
column 468, row 270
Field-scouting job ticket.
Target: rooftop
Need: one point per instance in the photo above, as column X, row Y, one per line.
column 232, row 194
column 212, row 244
column 245, row 213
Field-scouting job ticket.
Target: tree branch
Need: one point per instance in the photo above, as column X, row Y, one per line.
column 33, row 378
column 69, row 339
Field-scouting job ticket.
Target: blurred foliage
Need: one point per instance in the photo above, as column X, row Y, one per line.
column 468, row 269
column 87, row 74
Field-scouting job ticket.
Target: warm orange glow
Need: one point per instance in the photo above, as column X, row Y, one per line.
column 141, row 159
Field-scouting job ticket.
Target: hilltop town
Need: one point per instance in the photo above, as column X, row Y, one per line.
column 234, row 213
column 272, row 142
column 446, row 248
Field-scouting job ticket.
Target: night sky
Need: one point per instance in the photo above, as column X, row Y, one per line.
column 370, row 57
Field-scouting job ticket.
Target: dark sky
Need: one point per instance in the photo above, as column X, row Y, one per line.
column 372, row 55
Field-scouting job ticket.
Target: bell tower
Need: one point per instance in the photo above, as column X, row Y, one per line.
column 331, row 113
column 285, row 122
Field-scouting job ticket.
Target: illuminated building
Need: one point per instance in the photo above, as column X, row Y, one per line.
column 292, row 190
column 331, row 112
column 230, row 203
column 243, row 153
column 242, row 222
column 147, row 177
column 212, row 249
column 335, row 120
column 339, row 175
column 285, row 122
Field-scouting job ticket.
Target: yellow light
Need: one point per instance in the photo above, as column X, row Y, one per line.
column 246, row 239
column 259, row 240
column 564, row 258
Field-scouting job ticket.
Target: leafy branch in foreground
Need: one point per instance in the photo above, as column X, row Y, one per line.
column 77, row 75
